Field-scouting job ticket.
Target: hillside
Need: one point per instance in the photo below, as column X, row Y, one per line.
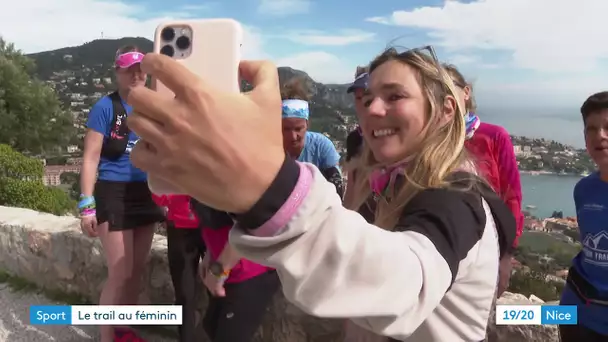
column 82, row 74
column 95, row 54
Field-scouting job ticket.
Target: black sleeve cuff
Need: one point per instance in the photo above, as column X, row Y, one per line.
column 273, row 199
column 210, row 218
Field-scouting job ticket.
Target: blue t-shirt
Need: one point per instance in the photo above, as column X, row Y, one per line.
column 100, row 120
column 591, row 201
column 320, row 151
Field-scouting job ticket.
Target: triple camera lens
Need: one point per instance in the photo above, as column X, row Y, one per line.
column 182, row 43
column 167, row 50
column 168, row 35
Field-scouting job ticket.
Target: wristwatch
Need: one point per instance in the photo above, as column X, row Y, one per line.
column 217, row 270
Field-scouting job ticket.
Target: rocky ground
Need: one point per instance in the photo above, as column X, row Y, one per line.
column 49, row 252
column 15, row 327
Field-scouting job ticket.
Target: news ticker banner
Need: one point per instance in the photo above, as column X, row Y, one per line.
column 106, row 315
column 172, row 314
column 536, row 314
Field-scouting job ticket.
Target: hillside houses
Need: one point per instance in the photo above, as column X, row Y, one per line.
column 80, row 89
column 52, row 173
column 542, row 155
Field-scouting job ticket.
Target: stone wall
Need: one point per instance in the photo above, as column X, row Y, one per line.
column 52, row 252
column 521, row 333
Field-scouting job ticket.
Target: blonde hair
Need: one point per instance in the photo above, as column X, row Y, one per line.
column 439, row 153
column 459, row 80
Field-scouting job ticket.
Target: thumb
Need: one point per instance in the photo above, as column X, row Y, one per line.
column 262, row 75
column 172, row 74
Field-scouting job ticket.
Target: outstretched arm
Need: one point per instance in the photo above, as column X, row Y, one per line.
column 332, row 263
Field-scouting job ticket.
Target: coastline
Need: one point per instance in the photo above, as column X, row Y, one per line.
column 550, row 173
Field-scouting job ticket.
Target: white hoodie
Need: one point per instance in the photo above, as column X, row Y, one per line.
column 432, row 279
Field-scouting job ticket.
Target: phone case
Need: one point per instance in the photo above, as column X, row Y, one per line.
column 214, row 55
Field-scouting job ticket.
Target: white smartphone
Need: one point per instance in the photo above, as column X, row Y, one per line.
column 210, row 48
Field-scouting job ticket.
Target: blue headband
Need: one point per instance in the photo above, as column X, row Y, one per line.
column 295, row 109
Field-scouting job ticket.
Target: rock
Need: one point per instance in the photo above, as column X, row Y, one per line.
column 160, row 230
column 512, row 298
column 536, row 300
column 517, row 333
column 52, row 252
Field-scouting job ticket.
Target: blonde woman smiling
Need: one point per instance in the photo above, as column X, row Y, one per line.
column 417, row 262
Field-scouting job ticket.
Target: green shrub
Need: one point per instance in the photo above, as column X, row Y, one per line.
column 21, row 185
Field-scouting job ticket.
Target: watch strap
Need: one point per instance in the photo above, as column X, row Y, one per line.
column 218, row 270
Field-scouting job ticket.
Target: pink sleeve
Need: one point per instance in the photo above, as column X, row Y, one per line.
column 289, row 208
column 510, row 183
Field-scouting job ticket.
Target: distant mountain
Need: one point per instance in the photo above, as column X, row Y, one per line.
column 331, row 107
column 97, row 54
column 333, row 94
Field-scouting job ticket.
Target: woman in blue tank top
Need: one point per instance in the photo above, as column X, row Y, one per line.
column 116, row 204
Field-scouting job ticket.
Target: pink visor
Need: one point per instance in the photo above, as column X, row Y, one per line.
column 128, row 59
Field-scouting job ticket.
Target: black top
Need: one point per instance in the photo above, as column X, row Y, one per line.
column 354, row 142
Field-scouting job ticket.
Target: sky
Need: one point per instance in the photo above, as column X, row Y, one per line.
column 541, row 56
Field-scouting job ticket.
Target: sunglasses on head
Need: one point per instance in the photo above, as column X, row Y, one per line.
column 426, row 50
column 458, row 84
column 429, row 51
column 401, row 50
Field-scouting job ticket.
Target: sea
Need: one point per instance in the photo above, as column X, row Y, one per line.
column 545, row 193
column 564, row 126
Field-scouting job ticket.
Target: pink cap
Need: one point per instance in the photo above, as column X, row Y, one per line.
column 128, row 59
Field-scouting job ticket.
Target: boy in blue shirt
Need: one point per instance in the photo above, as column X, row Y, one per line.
column 587, row 284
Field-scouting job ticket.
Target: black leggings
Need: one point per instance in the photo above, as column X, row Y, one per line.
column 236, row 317
column 185, row 248
column 579, row 333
